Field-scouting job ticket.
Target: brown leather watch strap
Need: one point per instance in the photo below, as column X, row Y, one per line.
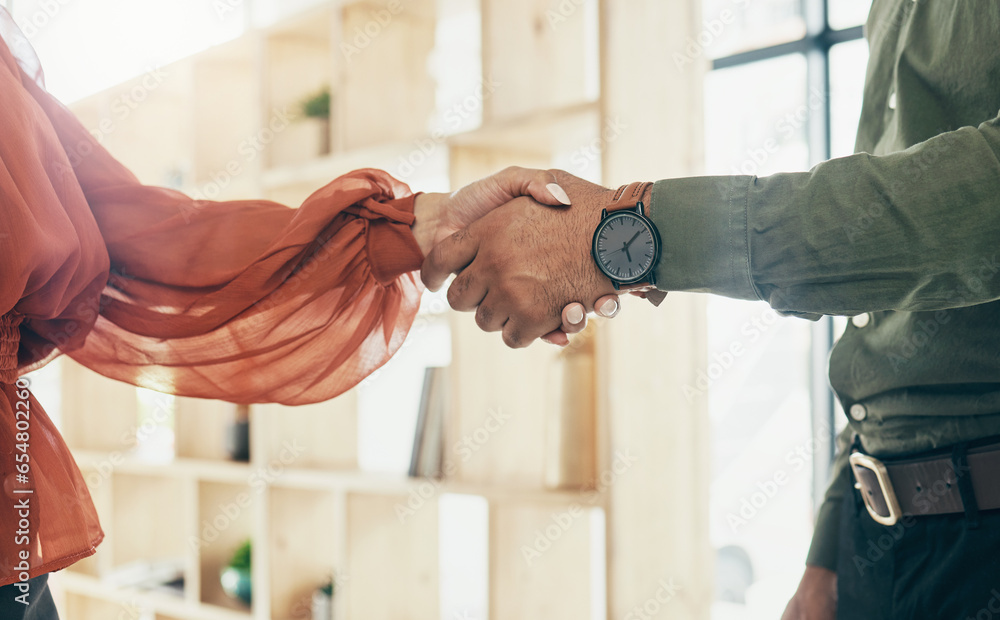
column 626, row 197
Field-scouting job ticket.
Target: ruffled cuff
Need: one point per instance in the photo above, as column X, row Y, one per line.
column 392, row 249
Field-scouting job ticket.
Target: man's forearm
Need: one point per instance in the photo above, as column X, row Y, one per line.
column 852, row 235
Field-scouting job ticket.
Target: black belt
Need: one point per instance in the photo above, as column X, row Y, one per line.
column 965, row 480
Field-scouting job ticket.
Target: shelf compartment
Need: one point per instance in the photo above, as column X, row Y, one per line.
column 407, row 587
column 76, row 605
column 498, row 434
column 86, row 395
column 200, row 428
column 83, row 593
column 422, row 163
column 227, row 515
column 160, row 500
column 321, row 436
column 305, row 527
column 521, row 34
column 384, row 92
column 298, row 63
column 539, row 558
column 228, row 131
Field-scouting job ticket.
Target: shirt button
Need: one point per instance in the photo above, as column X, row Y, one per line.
column 861, row 320
column 858, row 412
column 892, row 101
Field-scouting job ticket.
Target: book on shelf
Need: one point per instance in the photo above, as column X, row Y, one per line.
column 426, row 460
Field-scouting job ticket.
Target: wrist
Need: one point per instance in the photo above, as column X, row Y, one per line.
column 428, row 212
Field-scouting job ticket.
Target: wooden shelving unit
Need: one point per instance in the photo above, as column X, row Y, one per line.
column 223, row 125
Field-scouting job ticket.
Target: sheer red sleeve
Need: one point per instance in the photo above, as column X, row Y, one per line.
column 246, row 301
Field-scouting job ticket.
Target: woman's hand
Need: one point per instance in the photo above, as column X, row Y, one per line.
column 440, row 215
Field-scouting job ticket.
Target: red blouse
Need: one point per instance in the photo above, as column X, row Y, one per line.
column 246, row 301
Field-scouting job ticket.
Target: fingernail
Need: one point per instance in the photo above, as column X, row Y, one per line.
column 575, row 315
column 609, row 308
column 558, row 193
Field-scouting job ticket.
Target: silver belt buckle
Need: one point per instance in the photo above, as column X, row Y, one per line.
column 877, row 467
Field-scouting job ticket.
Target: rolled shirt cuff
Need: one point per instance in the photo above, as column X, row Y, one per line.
column 702, row 223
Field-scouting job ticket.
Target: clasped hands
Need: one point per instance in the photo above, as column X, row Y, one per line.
column 521, row 249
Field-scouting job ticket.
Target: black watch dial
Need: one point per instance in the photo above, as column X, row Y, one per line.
column 625, row 247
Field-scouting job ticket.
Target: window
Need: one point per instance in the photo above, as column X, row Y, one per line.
column 784, row 94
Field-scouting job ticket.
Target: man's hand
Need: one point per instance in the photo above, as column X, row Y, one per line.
column 816, row 597
column 520, row 265
column 440, row 215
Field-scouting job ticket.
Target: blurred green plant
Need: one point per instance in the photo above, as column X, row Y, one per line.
column 241, row 558
column 317, row 105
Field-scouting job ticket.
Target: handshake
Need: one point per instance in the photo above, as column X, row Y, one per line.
column 520, row 241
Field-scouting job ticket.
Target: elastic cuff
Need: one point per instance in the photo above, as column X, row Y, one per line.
column 702, row 223
column 392, row 249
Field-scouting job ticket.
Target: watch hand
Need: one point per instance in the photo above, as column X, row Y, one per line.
column 627, row 255
column 630, row 241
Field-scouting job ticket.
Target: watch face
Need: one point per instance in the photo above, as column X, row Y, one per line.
column 625, row 247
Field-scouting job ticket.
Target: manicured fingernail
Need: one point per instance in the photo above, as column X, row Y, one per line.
column 609, row 308
column 558, row 193
column 575, row 315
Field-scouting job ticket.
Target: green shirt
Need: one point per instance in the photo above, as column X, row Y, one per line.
column 906, row 230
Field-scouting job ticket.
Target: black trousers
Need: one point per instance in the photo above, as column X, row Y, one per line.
column 40, row 605
column 923, row 568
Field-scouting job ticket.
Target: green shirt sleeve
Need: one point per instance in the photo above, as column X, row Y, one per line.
column 913, row 230
column 826, row 535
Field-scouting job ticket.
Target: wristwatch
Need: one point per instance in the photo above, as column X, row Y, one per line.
column 626, row 244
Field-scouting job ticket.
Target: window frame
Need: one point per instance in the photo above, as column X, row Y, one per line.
column 819, row 39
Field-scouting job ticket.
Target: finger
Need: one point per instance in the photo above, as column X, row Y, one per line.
column 488, row 316
column 514, row 336
column 467, row 291
column 447, row 257
column 608, row 306
column 557, row 337
column 539, row 184
column 520, row 332
column 574, row 318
